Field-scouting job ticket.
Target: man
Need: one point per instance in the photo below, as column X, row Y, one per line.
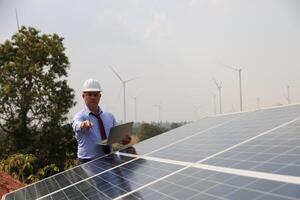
column 91, row 125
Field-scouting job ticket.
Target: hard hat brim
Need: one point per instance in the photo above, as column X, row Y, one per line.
column 92, row 90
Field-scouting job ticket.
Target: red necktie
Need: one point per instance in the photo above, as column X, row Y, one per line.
column 101, row 125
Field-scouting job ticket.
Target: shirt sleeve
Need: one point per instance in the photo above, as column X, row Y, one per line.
column 114, row 121
column 76, row 123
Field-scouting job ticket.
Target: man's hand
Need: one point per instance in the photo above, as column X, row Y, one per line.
column 86, row 124
column 126, row 140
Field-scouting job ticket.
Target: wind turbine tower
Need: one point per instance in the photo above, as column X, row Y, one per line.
column 219, row 86
column 239, row 70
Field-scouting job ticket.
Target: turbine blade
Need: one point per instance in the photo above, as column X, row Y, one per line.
column 229, row 67
column 217, row 84
column 112, row 69
column 131, row 79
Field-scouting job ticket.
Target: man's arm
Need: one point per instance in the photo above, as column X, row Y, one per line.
column 80, row 123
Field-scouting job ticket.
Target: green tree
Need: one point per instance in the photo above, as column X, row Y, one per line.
column 34, row 93
column 62, row 147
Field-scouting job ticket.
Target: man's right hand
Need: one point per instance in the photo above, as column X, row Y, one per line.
column 86, row 124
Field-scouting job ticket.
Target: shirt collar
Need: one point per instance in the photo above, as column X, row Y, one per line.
column 88, row 111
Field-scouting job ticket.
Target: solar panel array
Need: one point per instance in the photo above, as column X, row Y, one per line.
column 249, row 155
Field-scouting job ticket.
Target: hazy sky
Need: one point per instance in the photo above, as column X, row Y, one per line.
column 175, row 48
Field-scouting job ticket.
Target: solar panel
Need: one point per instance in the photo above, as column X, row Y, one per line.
column 184, row 132
column 115, row 182
column 249, row 155
column 277, row 152
column 198, row 184
column 68, row 177
column 226, row 135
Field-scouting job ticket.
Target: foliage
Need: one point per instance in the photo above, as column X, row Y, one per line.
column 149, row 130
column 34, row 101
column 45, row 172
column 69, row 163
column 175, row 125
column 3, row 145
column 62, row 147
column 20, row 166
column 33, row 91
column 24, row 167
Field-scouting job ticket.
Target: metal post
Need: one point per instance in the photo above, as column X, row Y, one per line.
column 135, row 111
column 215, row 105
column 241, row 99
column 288, row 93
column 220, row 100
column 124, row 95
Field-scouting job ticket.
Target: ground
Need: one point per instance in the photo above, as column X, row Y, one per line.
column 8, row 184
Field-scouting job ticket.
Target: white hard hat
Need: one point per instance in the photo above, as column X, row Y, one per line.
column 91, row 85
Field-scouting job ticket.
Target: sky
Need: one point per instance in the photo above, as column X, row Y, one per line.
column 175, row 49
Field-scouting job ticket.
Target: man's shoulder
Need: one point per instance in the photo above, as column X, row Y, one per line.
column 108, row 114
column 82, row 112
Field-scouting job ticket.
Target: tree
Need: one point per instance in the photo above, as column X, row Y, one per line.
column 34, row 93
column 60, row 150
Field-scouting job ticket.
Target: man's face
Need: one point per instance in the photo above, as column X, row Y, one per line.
column 91, row 99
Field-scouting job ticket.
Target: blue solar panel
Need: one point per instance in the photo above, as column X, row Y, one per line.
column 250, row 155
column 234, row 131
column 277, row 152
column 68, row 177
column 195, row 183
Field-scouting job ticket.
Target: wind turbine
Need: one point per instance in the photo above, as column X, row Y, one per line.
column 219, row 86
column 124, row 89
column 239, row 70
